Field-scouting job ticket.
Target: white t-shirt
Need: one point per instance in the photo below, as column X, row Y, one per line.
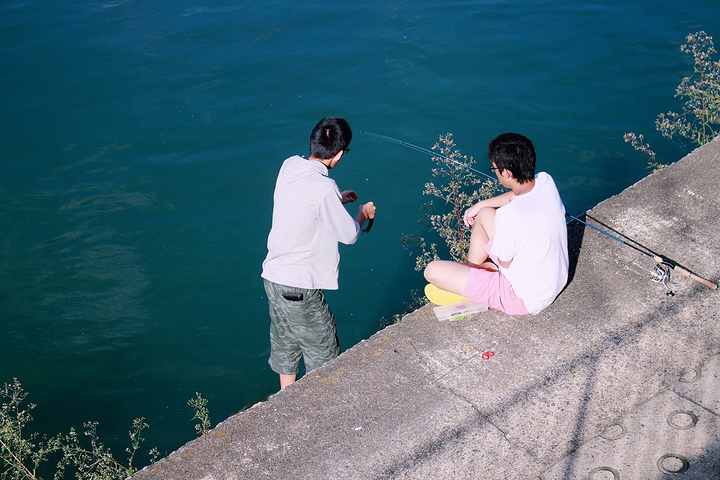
column 532, row 232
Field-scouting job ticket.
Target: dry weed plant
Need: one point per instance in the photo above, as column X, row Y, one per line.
column 454, row 188
column 27, row 456
column 699, row 120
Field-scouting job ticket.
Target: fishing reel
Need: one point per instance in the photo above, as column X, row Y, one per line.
column 661, row 274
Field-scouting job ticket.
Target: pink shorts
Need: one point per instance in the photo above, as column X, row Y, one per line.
column 493, row 289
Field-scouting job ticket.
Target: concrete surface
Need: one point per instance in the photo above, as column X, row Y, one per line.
column 615, row 380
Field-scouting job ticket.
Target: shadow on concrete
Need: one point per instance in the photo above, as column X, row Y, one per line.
column 575, row 234
column 626, row 337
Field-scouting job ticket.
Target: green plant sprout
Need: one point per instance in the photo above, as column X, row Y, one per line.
column 199, row 404
column 699, row 120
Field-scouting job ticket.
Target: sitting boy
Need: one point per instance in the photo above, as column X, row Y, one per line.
column 518, row 259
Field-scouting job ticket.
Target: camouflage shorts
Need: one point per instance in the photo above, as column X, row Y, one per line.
column 299, row 328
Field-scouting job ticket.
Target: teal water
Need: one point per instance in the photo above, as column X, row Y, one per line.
column 140, row 143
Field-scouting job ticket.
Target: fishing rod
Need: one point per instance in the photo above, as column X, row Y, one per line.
column 658, row 274
column 369, row 225
column 661, row 272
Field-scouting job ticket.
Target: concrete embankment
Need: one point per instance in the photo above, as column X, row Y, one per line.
column 614, row 380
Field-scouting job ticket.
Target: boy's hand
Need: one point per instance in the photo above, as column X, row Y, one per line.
column 494, row 202
column 368, row 210
column 348, row 196
column 365, row 212
column 470, row 214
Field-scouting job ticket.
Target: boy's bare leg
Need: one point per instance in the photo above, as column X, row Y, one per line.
column 483, row 230
column 286, row 380
column 447, row 275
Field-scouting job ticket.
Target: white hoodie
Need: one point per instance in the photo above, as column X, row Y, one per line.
column 309, row 219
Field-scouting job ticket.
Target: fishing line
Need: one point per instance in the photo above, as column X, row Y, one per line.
column 445, row 157
column 428, row 152
column 661, row 272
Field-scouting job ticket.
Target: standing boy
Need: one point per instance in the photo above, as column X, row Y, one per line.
column 517, row 260
column 309, row 220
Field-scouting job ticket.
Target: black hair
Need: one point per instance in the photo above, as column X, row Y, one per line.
column 330, row 135
column 515, row 153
